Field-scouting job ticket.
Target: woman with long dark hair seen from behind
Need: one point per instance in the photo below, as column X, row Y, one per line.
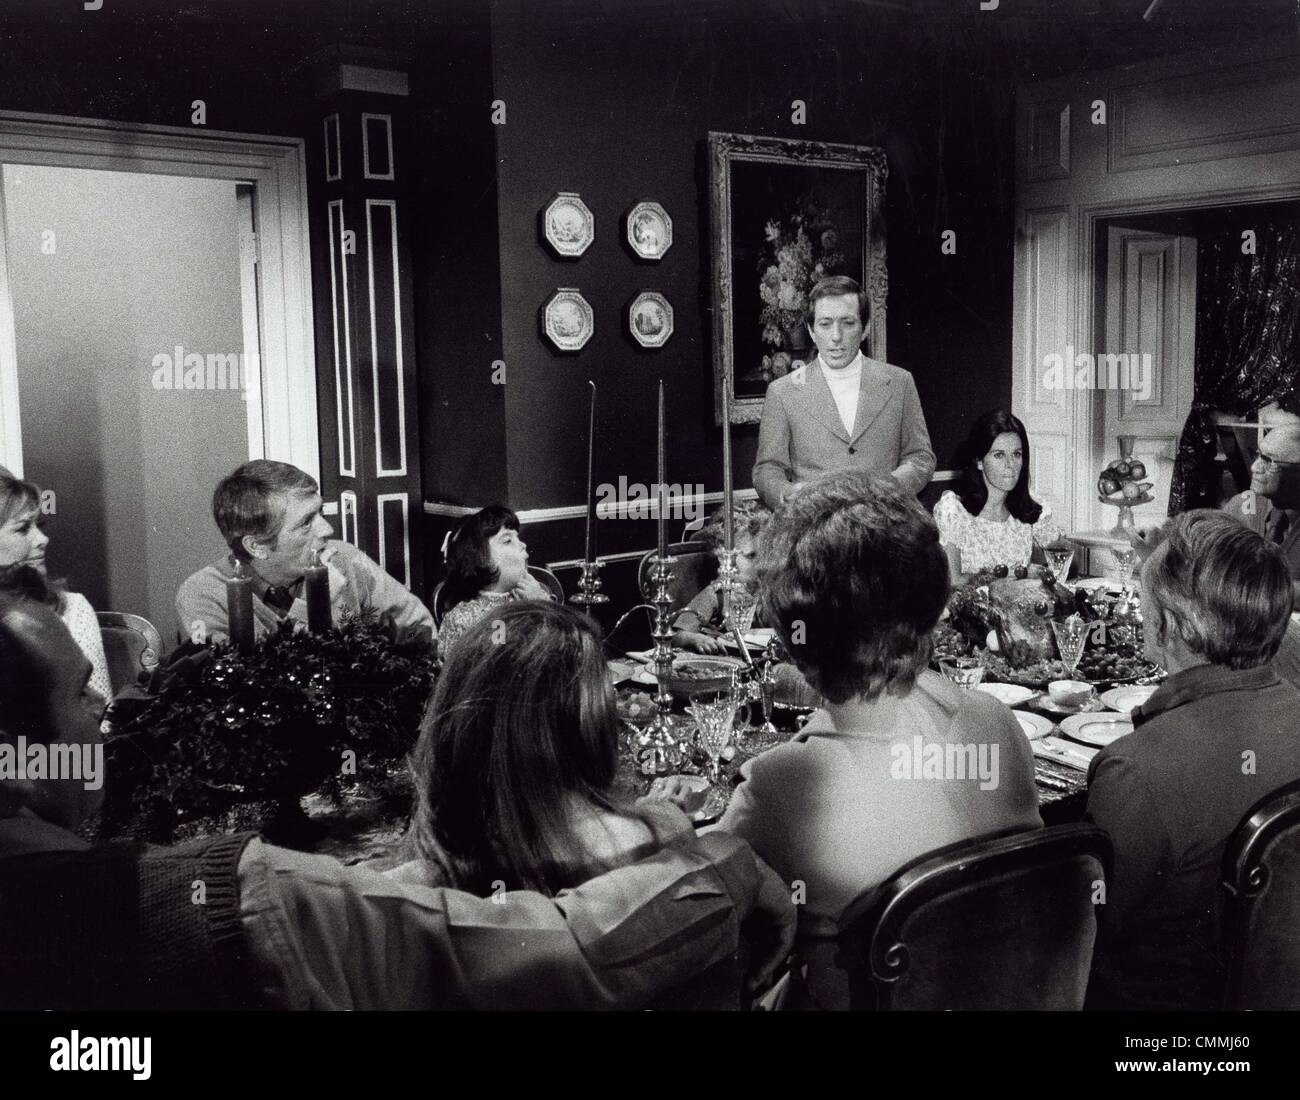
column 991, row 519
column 515, row 764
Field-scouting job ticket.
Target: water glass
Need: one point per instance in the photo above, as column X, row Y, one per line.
column 1071, row 637
column 965, row 672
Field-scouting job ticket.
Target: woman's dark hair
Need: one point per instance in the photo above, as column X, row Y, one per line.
column 521, row 725
column 972, row 490
column 469, row 560
column 854, row 578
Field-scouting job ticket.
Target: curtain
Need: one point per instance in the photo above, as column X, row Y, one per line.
column 1247, row 345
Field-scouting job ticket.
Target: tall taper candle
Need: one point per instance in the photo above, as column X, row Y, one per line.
column 726, row 458
column 591, row 478
column 663, row 504
column 316, row 590
column 239, row 607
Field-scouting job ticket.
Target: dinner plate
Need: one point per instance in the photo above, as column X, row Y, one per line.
column 1096, row 729
column 1127, row 699
column 1011, row 694
column 1034, row 725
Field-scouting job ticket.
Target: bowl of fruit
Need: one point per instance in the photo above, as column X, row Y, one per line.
column 1123, row 485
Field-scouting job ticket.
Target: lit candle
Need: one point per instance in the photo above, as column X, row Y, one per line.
column 239, row 607
column 726, row 457
column 591, row 478
column 663, row 504
column 316, row 591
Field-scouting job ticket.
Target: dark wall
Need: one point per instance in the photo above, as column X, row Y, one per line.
column 617, row 108
column 458, row 266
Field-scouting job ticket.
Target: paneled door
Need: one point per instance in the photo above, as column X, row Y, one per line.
column 1145, row 361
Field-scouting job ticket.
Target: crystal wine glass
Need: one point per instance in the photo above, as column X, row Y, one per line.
column 1059, row 559
column 1071, row 637
column 714, row 712
column 1125, row 560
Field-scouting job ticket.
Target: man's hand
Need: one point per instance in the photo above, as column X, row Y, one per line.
column 791, row 489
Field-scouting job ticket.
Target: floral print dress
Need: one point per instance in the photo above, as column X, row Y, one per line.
column 985, row 543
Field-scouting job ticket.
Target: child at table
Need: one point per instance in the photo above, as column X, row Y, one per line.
column 487, row 565
column 705, row 610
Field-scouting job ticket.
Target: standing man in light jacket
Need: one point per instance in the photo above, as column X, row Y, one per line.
column 844, row 411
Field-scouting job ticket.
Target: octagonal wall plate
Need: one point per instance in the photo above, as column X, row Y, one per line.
column 568, row 319
column 650, row 319
column 649, row 230
column 569, row 226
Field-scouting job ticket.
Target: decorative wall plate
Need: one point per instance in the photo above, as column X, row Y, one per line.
column 650, row 319
column 568, row 319
column 569, row 226
column 649, row 230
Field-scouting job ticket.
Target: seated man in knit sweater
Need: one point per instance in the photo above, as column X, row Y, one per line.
column 269, row 514
column 290, row 930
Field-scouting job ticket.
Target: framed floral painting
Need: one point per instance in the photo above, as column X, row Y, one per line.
column 785, row 214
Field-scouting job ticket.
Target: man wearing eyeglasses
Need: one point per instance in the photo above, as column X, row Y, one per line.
column 1271, row 506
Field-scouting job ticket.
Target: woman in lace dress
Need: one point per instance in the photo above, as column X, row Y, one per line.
column 991, row 519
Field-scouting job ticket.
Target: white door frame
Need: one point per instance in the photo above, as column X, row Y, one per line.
column 276, row 166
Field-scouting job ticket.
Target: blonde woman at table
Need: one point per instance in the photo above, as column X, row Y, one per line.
column 991, row 519
column 487, row 565
column 23, row 542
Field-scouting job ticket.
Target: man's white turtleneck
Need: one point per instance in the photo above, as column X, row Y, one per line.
column 844, row 384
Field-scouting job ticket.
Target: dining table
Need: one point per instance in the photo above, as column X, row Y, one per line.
column 1060, row 774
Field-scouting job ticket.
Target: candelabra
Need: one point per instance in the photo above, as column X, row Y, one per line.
column 658, row 750
column 589, row 594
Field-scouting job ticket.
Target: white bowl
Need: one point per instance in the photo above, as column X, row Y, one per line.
column 1069, row 693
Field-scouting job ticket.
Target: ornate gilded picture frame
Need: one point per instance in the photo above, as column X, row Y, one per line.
column 784, row 214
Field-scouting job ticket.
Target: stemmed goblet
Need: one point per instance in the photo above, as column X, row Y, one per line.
column 1071, row 637
column 714, row 712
